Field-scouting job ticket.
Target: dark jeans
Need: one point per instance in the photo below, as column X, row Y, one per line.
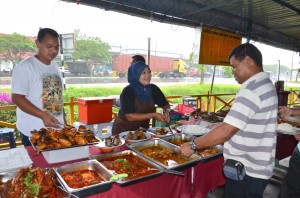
column 25, row 140
column 290, row 187
column 249, row 187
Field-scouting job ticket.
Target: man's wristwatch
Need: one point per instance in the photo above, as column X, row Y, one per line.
column 193, row 145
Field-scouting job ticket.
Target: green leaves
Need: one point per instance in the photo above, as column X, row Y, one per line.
column 34, row 188
column 16, row 47
column 91, row 49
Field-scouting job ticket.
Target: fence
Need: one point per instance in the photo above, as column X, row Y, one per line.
column 206, row 102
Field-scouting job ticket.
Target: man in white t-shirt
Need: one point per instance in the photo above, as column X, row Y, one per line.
column 37, row 87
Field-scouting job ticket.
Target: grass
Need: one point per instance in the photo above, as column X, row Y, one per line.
column 172, row 90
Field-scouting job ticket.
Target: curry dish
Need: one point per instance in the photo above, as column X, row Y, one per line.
column 134, row 166
column 178, row 141
column 82, row 178
column 165, row 156
column 208, row 152
column 32, row 183
column 136, row 135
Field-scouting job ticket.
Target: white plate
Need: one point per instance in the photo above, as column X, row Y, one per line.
column 193, row 129
column 102, row 144
column 296, row 131
column 152, row 131
column 124, row 136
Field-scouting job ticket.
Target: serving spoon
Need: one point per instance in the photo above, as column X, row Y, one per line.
column 174, row 172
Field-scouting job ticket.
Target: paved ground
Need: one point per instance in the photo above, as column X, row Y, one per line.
column 272, row 189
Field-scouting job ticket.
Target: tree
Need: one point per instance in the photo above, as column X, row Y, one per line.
column 201, row 68
column 91, row 49
column 228, row 72
column 16, row 47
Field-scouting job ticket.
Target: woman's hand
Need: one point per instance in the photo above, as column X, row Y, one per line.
column 166, row 114
column 284, row 111
column 160, row 117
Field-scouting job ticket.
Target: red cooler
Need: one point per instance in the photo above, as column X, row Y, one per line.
column 95, row 110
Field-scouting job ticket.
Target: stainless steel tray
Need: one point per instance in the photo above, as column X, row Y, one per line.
column 191, row 161
column 121, row 154
column 87, row 190
column 180, row 137
column 213, row 156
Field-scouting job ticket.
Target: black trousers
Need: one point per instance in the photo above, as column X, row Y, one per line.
column 25, row 140
column 291, row 184
column 249, row 187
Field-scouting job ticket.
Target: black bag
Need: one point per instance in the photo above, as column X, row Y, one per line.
column 234, row 170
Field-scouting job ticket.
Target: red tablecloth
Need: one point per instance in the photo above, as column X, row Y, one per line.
column 285, row 146
column 197, row 182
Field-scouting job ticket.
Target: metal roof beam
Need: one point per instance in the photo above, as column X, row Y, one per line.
column 278, row 28
column 212, row 6
column 286, row 5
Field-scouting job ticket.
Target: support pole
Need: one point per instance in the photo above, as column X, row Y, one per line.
column 62, row 61
column 148, row 53
column 278, row 70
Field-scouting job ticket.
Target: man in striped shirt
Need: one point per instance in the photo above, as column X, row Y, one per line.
column 249, row 129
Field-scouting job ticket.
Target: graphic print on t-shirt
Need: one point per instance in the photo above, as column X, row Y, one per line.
column 52, row 94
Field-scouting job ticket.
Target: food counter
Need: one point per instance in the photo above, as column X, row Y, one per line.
column 286, row 142
column 197, row 182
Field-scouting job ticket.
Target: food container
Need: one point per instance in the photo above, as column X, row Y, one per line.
column 66, row 154
column 5, row 176
column 87, row 190
column 10, row 175
column 124, row 136
column 142, row 161
column 54, row 137
column 95, row 110
column 159, row 143
column 178, row 139
column 207, row 156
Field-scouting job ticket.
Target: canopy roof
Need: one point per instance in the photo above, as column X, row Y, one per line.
column 273, row 22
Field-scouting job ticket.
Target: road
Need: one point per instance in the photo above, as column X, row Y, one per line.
column 5, row 82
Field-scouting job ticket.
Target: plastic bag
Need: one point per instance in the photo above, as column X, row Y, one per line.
column 184, row 109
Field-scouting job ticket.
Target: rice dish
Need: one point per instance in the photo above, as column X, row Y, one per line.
column 286, row 127
column 195, row 129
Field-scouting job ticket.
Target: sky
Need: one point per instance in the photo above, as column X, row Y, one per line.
column 125, row 31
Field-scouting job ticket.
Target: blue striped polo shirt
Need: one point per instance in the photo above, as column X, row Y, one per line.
column 254, row 113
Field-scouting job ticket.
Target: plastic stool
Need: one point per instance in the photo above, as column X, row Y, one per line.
column 108, row 126
column 89, row 126
column 7, row 133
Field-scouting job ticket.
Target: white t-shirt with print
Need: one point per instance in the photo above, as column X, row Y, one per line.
column 42, row 86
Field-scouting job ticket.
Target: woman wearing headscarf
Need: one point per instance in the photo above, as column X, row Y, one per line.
column 138, row 101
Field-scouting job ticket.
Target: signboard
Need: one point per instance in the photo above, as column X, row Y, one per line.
column 67, row 43
column 66, row 58
column 215, row 46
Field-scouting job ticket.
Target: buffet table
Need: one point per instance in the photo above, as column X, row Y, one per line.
column 286, row 143
column 197, row 182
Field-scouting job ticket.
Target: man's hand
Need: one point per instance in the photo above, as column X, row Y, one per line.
column 50, row 121
column 186, row 150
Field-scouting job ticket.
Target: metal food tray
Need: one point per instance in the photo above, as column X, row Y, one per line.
column 87, row 190
column 73, row 146
column 126, row 153
column 191, row 161
column 179, row 136
column 213, row 156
